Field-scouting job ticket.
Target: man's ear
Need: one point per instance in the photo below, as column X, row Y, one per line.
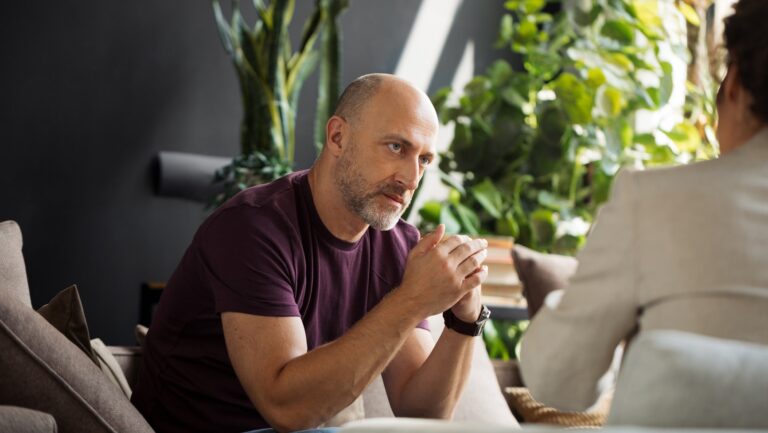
column 336, row 130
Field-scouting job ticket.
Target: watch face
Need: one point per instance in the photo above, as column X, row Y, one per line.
column 484, row 314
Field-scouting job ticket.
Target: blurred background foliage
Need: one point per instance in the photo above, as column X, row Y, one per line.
column 538, row 141
column 593, row 86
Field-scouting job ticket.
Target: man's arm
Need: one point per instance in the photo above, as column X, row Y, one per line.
column 295, row 389
column 570, row 344
column 426, row 379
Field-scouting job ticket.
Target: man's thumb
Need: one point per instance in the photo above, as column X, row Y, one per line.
column 431, row 239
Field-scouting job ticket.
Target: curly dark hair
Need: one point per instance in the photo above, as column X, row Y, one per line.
column 746, row 38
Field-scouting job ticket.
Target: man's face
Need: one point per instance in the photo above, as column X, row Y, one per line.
column 389, row 146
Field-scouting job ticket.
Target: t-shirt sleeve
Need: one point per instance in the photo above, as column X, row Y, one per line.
column 247, row 261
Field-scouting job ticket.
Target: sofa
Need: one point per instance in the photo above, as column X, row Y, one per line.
column 49, row 384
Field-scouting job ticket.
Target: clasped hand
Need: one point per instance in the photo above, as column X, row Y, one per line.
column 446, row 272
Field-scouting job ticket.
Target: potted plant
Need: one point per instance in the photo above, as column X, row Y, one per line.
column 271, row 75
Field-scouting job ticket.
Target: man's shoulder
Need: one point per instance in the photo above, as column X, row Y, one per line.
column 267, row 208
column 277, row 193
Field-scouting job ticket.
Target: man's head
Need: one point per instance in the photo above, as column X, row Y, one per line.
column 742, row 102
column 381, row 138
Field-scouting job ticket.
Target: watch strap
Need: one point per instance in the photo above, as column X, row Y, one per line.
column 471, row 329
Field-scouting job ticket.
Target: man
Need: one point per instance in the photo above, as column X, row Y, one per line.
column 295, row 295
column 675, row 249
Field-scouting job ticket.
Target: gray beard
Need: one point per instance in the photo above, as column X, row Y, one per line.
column 352, row 186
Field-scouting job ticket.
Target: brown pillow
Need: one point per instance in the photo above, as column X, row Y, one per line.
column 541, row 274
column 65, row 313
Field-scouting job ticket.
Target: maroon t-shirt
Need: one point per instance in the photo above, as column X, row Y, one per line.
column 264, row 252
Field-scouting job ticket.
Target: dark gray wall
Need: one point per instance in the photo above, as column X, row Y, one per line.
column 92, row 90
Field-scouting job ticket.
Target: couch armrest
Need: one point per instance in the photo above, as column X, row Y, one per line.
column 22, row 420
column 129, row 359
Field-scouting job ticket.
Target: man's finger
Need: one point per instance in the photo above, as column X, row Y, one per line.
column 429, row 240
column 475, row 279
column 472, row 263
column 467, row 249
column 450, row 243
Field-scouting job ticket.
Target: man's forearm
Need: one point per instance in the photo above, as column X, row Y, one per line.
column 316, row 385
column 435, row 388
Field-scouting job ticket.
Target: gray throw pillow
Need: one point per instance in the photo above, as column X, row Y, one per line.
column 541, row 274
column 65, row 313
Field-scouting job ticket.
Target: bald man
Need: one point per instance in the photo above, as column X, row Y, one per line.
column 295, row 295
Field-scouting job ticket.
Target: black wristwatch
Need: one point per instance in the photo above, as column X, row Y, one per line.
column 472, row 329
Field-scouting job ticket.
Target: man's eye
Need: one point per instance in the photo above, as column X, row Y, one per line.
column 425, row 160
column 395, row 147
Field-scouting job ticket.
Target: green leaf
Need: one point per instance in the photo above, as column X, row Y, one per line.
column 613, row 101
column 595, row 78
column 553, row 201
column 686, row 136
column 223, row 27
column 619, row 30
column 506, row 30
column 689, row 13
column 441, row 98
column 574, row 97
column 489, row 197
column 543, row 64
column 543, row 225
column 507, row 225
column 569, row 245
column 448, row 180
column 622, row 61
column 454, row 197
column 526, row 33
column 513, row 97
column 499, row 72
column 430, row 211
column 645, row 139
column 647, row 12
column 452, row 225
column 667, row 83
column 533, row 6
column 469, row 220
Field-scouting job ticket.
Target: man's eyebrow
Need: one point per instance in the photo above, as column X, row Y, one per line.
column 405, row 142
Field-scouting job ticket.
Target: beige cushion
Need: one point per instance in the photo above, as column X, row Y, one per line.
column 679, row 379
column 129, row 360
column 481, row 401
column 110, row 367
column 13, row 275
column 40, row 369
column 65, row 313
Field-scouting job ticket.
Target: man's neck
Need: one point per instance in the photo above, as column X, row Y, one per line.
column 333, row 212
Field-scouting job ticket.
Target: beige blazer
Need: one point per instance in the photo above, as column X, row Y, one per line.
column 683, row 248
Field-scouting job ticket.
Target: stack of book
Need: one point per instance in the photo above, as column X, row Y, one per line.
column 502, row 287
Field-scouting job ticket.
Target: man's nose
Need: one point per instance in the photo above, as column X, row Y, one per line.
column 409, row 174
